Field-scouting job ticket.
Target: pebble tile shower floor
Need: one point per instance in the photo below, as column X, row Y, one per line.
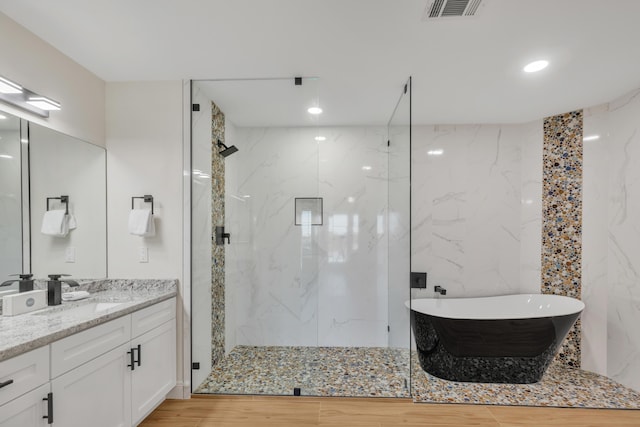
column 384, row 372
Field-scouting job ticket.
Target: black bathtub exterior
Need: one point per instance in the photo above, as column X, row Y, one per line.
column 515, row 351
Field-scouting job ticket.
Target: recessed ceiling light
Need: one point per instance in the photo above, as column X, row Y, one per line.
column 534, row 66
column 44, row 103
column 366, row 168
column 320, row 138
column 6, row 156
column 7, row 86
column 3, row 117
column 437, row 152
column 591, row 138
column 314, row 110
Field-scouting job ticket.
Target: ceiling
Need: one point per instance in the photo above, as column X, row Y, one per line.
column 465, row 70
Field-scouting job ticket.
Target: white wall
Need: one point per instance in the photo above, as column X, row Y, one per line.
column 144, row 122
column 36, row 65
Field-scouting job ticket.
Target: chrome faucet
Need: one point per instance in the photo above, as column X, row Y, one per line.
column 54, row 288
column 25, row 282
column 440, row 290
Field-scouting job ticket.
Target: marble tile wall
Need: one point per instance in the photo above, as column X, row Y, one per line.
column 562, row 217
column 310, row 285
column 595, row 202
column 623, row 284
column 475, row 208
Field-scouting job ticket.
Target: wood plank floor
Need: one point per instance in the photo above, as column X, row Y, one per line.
column 258, row 411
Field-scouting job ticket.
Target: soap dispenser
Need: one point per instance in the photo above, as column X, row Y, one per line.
column 54, row 288
column 25, row 283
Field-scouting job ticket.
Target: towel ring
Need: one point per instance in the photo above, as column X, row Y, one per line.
column 63, row 199
column 147, row 198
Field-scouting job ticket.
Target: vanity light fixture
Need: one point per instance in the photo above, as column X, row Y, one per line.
column 591, row 138
column 320, row 138
column 44, row 103
column 366, row 168
column 6, row 156
column 437, row 152
column 314, row 110
column 7, row 86
column 15, row 95
column 535, row 66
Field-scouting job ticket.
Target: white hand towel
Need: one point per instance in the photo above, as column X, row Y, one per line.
column 55, row 223
column 75, row 296
column 141, row 223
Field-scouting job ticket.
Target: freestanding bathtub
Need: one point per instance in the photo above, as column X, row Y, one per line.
column 501, row 339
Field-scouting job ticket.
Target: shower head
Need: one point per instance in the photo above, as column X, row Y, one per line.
column 227, row 150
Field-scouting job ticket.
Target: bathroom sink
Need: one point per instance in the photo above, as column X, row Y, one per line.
column 89, row 309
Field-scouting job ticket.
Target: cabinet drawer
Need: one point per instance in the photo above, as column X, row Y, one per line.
column 27, row 371
column 146, row 319
column 73, row 351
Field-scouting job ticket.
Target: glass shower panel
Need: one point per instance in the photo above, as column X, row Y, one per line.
column 399, row 230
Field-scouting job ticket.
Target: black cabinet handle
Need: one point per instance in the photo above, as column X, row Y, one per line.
column 139, row 354
column 49, row 416
column 6, row 383
column 132, row 357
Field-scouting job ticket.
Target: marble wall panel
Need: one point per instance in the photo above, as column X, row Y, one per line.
column 595, row 188
column 467, row 207
column 623, row 310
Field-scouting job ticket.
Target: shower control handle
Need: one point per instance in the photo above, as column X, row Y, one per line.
column 221, row 235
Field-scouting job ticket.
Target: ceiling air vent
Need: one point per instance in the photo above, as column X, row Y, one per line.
column 451, row 8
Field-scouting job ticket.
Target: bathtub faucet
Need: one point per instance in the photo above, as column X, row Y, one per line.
column 440, row 290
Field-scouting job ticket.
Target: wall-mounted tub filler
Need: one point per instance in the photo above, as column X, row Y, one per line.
column 440, row 290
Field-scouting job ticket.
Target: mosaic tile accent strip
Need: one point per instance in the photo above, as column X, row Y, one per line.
column 317, row 371
column 561, row 386
column 217, row 253
column 562, row 217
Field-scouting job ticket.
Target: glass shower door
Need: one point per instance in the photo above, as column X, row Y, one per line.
column 399, row 231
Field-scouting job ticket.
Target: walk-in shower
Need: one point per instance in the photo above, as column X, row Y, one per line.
column 308, row 296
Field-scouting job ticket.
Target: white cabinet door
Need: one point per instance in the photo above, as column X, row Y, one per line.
column 96, row 394
column 155, row 375
column 27, row 410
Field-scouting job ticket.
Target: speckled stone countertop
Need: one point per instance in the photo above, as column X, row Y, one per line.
column 25, row 332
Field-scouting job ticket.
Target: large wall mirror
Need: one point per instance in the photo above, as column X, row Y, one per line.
column 40, row 166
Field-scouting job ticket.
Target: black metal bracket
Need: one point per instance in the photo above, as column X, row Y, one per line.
column 63, row 199
column 298, row 81
column 147, row 198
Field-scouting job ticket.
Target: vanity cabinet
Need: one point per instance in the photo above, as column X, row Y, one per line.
column 24, row 384
column 111, row 375
column 154, row 371
column 97, row 393
column 29, row 410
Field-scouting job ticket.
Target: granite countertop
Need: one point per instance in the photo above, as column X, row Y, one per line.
column 25, row 332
